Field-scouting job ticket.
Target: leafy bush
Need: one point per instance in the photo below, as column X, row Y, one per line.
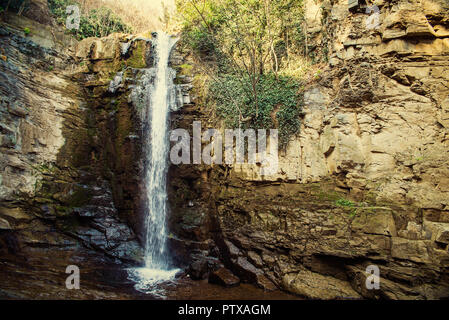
column 344, row 203
column 58, row 7
column 200, row 41
column 349, row 205
column 278, row 103
column 250, row 47
column 100, row 23
column 96, row 23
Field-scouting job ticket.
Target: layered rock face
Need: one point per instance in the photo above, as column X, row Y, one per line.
column 71, row 129
column 59, row 199
column 364, row 183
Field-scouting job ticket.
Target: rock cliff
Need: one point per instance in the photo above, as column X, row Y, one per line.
column 58, row 164
column 365, row 181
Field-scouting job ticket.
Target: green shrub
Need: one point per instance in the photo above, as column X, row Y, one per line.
column 200, row 41
column 351, row 206
column 101, row 23
column 243, row 44
column 96, row 23
column 27, row 31
column 232, row 92
column 58, row 7
column 344, row 203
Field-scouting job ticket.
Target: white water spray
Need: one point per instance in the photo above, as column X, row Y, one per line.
column 161, row 97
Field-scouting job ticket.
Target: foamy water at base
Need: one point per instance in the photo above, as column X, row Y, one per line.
column 147, row 279
column 157, row 97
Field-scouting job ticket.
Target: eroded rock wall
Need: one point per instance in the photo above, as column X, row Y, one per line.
column 61, row 154
column 365, row 181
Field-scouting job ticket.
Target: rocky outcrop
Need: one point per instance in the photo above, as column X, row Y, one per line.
column 58, row 198
column 364, row 183
column 38, row 10
column 224, row 277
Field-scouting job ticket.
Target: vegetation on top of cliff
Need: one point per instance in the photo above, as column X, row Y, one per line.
column 250, row 49
column 141, row 15
column 277, row 103
column 94, row 23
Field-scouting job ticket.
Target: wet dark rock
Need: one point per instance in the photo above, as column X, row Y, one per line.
column 198, row 270
column 214, row 252
column 17, row 109
column 247, row 270
column 4, row 224
column 224, row 277
column 201, row 266
column 180, row 274
column 129, row 251
column 233, row 251
column 11, row 242
column 38, row 10
column 116, row 83
column 264, row 283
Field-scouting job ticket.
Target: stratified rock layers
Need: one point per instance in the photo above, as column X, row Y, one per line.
column 59, row 198
column 364, row 183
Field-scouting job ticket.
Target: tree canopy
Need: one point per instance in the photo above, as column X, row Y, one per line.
column 248, row 43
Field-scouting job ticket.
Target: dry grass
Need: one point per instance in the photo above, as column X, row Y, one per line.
column 296, row 67
column 141, row 15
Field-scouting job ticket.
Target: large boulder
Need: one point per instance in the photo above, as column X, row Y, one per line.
column 317, row 286
column 37, row 10
column 224, row 277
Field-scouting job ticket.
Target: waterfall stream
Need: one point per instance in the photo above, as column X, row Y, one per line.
column 160, row 98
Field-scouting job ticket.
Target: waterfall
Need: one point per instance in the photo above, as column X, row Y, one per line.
column 156, row 149
column 159, row 94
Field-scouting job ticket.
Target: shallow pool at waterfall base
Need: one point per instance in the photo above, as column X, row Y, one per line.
column 148, row 280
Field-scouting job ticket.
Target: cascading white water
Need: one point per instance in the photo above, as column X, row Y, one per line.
column 159, row 97
column 155, row 255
